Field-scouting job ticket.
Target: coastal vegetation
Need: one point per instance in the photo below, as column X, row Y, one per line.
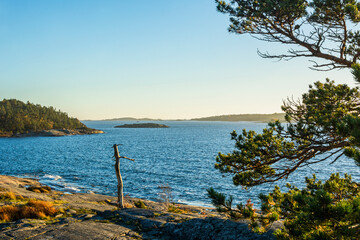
column 18, row 207
column 322, row 126
column 32, row 209
column 17, row 117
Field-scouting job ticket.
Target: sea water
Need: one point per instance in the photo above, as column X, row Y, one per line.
column 181, row 157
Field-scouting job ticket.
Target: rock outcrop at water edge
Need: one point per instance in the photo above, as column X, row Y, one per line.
column 93, row 216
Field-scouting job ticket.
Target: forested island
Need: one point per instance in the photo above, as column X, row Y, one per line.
column 132, row 119
column 142, row 125
column 245, row 117
column 27, row 119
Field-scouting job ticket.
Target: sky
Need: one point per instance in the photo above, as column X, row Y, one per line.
column 158, row 59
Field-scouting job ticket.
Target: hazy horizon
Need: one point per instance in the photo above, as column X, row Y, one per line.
column 173, row 119
column 164, row 59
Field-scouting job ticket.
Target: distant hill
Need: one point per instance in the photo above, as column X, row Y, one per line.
column 244, row 117
column 226, row 118
column 17, row 117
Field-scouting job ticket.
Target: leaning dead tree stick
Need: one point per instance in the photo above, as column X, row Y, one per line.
column 120, row 185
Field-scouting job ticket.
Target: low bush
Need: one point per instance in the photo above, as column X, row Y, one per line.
column 8, row 196
column 139, row 204
column 32, row 209
column 329, row 210
column 174, row 209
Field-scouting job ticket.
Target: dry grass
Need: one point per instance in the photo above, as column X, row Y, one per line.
column 32, row 209
column 9, row 196
column 175, row 209
column 59, row 202
column 9, row 213
column 39, row 189
column 128, row 205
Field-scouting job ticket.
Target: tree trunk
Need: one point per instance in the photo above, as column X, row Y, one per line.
column 120, row 202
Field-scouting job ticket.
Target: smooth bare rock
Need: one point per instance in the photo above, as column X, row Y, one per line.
column 73, row 231
column 59, row 132
column 95, row 216
column 70, row 211
column 212, row 229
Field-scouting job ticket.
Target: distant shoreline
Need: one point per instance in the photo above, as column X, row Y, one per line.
column 142, row 125
column 257, row 117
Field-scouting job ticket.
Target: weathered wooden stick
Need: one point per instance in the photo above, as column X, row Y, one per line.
column 127, row 158
column 120, row 185
column 120, row 202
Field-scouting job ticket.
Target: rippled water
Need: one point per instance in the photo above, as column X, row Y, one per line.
column 181, row 156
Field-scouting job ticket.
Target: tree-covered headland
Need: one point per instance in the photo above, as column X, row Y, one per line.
column 244, row 117
column 17, row 117
column 323, row 125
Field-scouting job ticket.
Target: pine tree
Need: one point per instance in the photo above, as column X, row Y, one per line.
column 324, row 124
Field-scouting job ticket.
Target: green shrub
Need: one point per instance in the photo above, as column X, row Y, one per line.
column 329, row 210
column 140, row 204
column 174, row 209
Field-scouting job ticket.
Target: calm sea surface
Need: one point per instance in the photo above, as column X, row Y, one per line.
column 181, row 156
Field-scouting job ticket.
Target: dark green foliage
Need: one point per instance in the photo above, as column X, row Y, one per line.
column 322, row 125
column 219, row 200
column 318, row 28
column 224, row 205
column 325, row 125
column 356, row 72
column 140, row 204
column 329, row 210
column 20, row 117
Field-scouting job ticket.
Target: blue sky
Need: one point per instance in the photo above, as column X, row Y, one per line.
column 160, row 59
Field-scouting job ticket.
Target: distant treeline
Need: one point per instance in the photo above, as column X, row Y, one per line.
column 131, row 119
column 245, row 117
column 19, row 117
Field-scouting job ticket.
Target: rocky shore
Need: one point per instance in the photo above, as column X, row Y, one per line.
column 94, row 216
column 57, row 133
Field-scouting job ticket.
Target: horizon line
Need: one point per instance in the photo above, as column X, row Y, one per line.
column 177, row 119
